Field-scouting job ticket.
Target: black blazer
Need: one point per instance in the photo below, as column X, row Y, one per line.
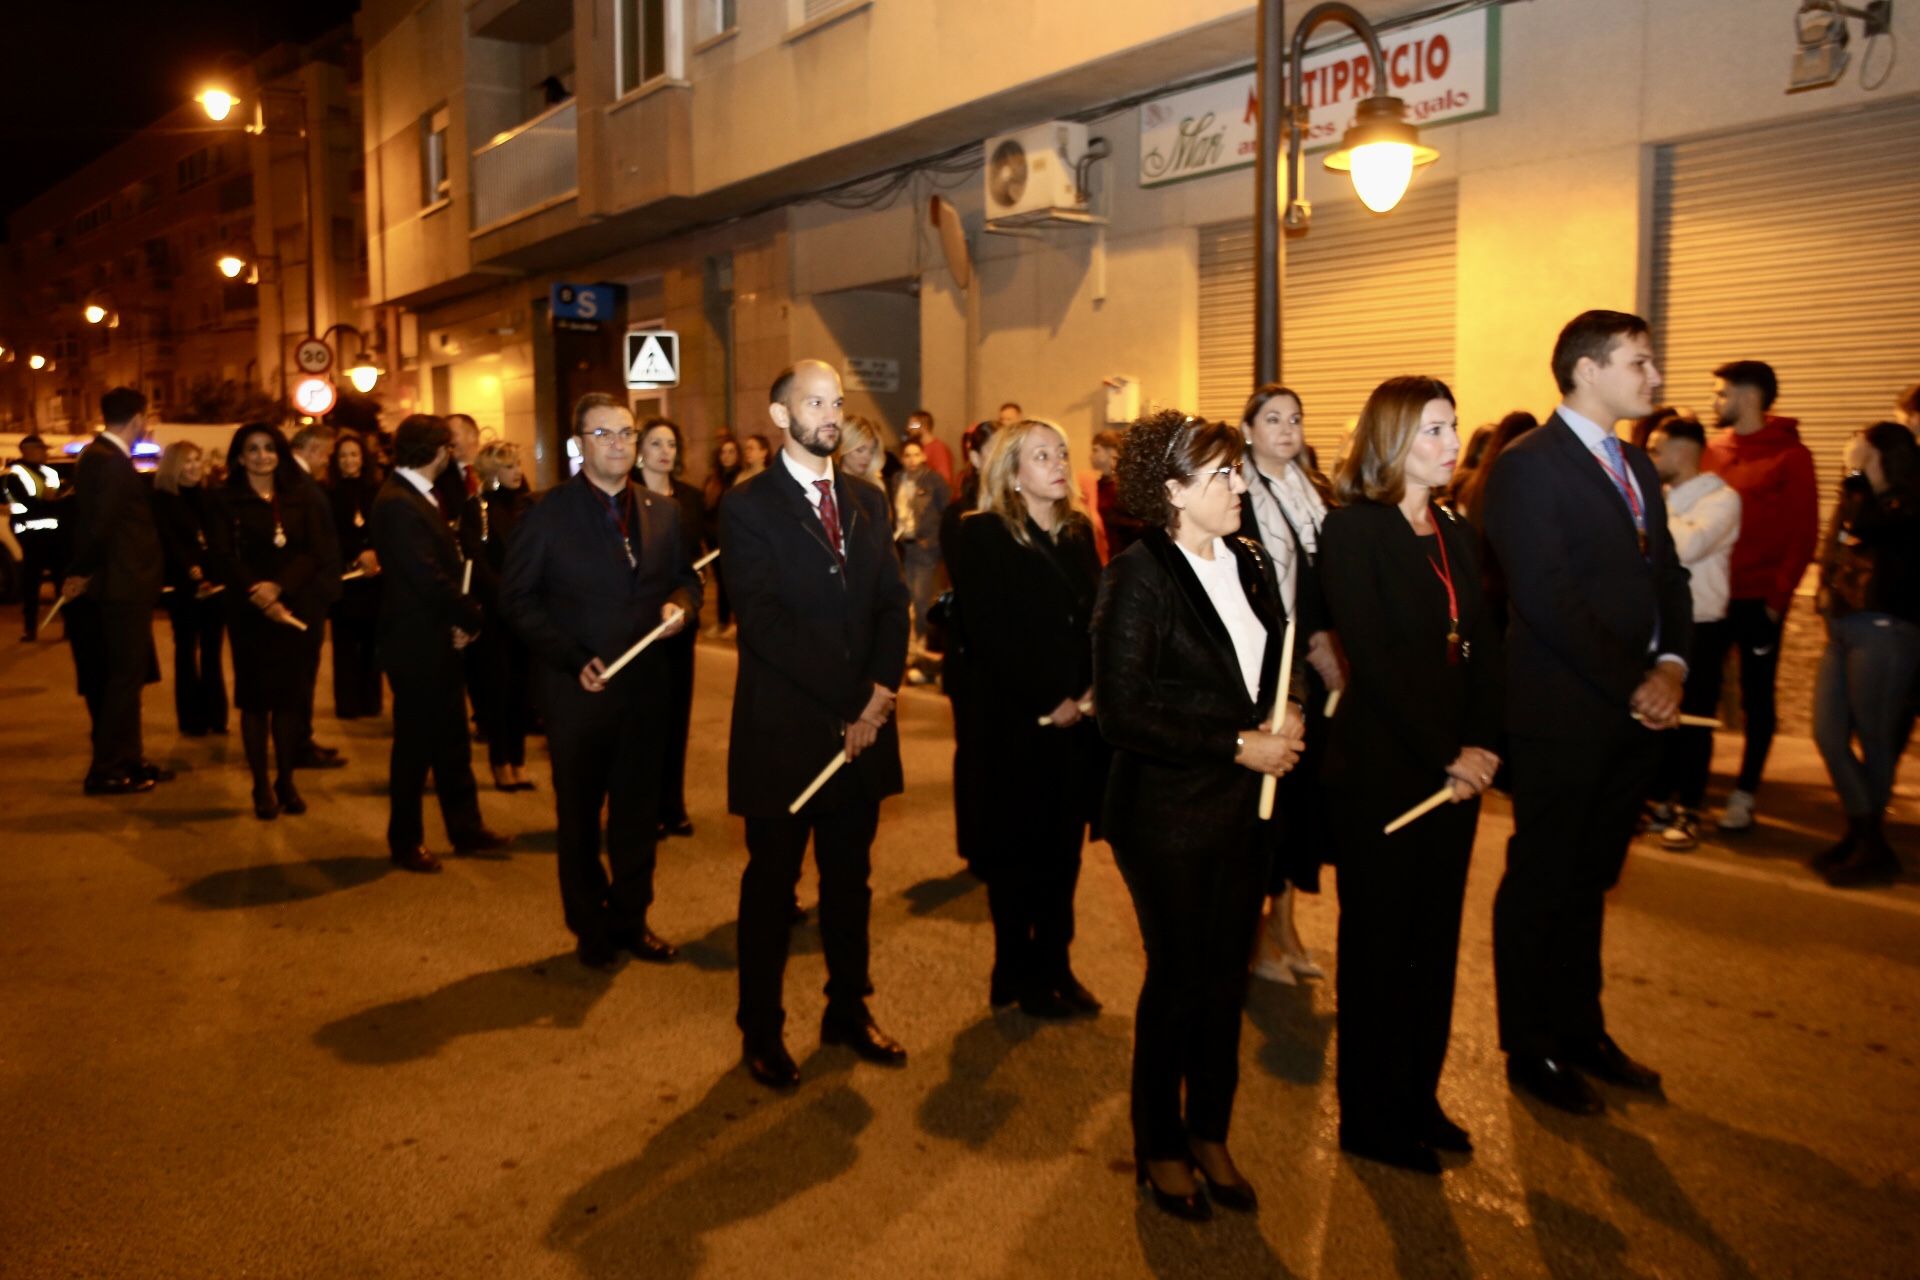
column 1171, row 700
column 1408, row 711
column 815, row 638
column 116, row 545
column 1029, row 612
column 569, row 592
column 326, row 542
column 1586, row 606
column 420, row 600
column 352, row 503
column 181, row 519
column 244, row 553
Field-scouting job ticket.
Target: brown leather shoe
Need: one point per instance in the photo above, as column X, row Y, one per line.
column 415, row 859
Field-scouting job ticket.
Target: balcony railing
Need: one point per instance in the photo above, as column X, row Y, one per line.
column 530, row 167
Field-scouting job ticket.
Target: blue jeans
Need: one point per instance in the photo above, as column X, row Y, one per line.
column 1861, row 693
column 920, row 562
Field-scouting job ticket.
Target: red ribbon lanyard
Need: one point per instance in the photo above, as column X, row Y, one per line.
column 1625, row 485
column 1443, row 570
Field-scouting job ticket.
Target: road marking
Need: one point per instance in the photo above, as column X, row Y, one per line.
column 1733, row 870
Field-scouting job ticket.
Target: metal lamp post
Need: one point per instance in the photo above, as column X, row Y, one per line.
column 1381, row 151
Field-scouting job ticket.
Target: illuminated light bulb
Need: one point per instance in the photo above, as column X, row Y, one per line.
column 36, row 362
column 1381, row 172
column 217, row 103
column 363, row 375
column 1380, row 152
column 94, row 313
column 230, row 266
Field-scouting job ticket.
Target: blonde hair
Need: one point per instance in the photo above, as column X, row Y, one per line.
column 855, row 431
column 1375, row 466
column 1000, row 471
column 494, row 457
column 166, row 477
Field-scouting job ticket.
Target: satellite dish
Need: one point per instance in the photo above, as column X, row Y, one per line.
column 1007, row 173
column 953, row 239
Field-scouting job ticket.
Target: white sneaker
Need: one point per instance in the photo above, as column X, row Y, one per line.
column 1738, row 813
column 1679, row 836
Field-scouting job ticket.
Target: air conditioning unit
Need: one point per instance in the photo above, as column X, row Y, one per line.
column 1034, row 170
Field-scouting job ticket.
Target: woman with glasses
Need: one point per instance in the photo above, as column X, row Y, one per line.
column 1025, row 575
column 181, row 511
column 353, row 481
column 1187, row 639
column 1422, row 711
column 1286, row 508
column 267, row 542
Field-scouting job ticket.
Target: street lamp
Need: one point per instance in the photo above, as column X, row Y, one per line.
column 1380, row 152
column 94, row 313
column 216, row 102
column 36, row 362
column 362, row 372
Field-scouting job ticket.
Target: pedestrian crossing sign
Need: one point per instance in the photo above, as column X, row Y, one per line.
column 653, row 359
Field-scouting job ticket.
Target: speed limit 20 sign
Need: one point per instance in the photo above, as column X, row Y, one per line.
column 313, row 356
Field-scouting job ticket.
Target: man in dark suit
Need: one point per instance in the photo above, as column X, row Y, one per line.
column 424, row 622
column 823, row 616
column 312, row 445
column 113, row 582
column 595, row 565
column 1600, row 613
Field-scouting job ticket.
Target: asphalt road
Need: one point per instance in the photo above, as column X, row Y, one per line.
column 230, row 1048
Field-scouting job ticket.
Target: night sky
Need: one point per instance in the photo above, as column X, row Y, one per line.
column 78, row 77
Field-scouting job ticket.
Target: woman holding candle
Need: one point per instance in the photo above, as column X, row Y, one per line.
column 1402, row 581
column 353, row 481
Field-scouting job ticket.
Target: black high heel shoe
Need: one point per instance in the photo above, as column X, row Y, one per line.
column 1193, row 1208
column 265, row 806
column 1238, row 1196
column 290, row 799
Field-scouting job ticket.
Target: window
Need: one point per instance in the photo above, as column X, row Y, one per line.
column 648, row 36
column 435, row 184
column 716, row 17
column 192, row 169
column 239, row 296
column 93, row 219
column 159, row 260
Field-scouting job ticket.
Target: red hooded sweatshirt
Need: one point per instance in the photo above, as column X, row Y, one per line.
column 1779, row 508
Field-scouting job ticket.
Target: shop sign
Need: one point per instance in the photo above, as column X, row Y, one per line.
column 1446, row 70
column 871, row 373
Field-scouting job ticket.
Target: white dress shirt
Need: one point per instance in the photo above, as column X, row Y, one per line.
column 807, row 480
column 118, row 443
column 1220, row 577
column 420, row 482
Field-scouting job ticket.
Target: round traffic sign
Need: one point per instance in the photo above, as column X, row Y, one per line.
column 313, row 356
column 313, row 396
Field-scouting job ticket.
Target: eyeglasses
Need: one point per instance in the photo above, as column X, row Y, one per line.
column 600, row 435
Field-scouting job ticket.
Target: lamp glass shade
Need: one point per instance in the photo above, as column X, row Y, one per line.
column 217, row 103
column 230, row 266
column 363, row 375
column 36, row 361
column 94, row 313
column 1380, row 152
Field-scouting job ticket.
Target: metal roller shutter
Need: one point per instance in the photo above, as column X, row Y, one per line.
column 1366, row 297
column 1797, row 244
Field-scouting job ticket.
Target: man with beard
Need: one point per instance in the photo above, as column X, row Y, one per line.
column 823, row 621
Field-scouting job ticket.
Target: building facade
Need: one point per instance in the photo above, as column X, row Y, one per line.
column 755, row 175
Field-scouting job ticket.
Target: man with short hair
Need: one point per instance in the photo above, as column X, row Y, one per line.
column 939, row 457
column 459, row 482
column 35, row 501
column 1599, row 616
column 1760, row 455
column 594, row 566
column 823, row 622
column 1011, row 414
column 312, row 446
column 113, row 582
column 1703, row 515
column 425, row 621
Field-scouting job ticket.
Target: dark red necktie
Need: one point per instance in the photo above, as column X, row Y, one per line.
column 473, row 481
column 830, row 516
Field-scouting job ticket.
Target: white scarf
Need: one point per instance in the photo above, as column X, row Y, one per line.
column 1281, row 507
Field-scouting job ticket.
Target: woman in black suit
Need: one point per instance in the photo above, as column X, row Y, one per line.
column 267, row 543
column 504, row 708
column 1025, row 574
column 1402, row 579
column 180, row 511
column 1186, row 662
column 1286, row 508
column 353, row 481
column 658, row 471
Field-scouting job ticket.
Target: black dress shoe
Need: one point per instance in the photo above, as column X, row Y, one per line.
column 1193, row 1208
column 1039, row 1001
column 117, row 784
column 289, row 797
column 602, row 957
column 1402, row 1153
column 769, row 1062
column 1443, row 1134
column 1605, row 1060
column 266, row 805
column 864, row 1038
column 481, row 841
column 799, row 912
column 1002, row 990
column 1555, row 1082
column 1237, row 1195
column 148, row 769
column 320, row 758
column 415, row 859
column 647, row 945
column 1077, row 997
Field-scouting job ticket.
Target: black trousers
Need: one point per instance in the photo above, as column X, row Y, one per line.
column 430, row 732
column 1575, row 804
column 1757, row 638
column 40, row 561
column 356, row 666
column 113, row 651
column 776, row 848
column 1686, row 755
column 1400, row 904
column 499, row 673
column 1198, row 910
column 1030, row 887
column 606, row 751
column 677, row 724
column 199, row 684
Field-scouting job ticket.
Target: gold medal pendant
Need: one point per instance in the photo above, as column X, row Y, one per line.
column 1456, row 649
column 359, row 520
column 279, row 536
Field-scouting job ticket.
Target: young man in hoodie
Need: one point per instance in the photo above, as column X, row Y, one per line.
column 1761, row 457
column 1703, row 515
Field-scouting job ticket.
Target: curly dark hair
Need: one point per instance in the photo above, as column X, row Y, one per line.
column 1164, row 446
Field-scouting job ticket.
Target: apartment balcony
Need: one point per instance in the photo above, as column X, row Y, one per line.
column 525, row 172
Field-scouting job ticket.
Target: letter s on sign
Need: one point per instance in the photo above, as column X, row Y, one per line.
column 589, row 304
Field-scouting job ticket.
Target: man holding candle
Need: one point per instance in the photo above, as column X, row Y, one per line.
column 823, row 616
column 594, row 567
